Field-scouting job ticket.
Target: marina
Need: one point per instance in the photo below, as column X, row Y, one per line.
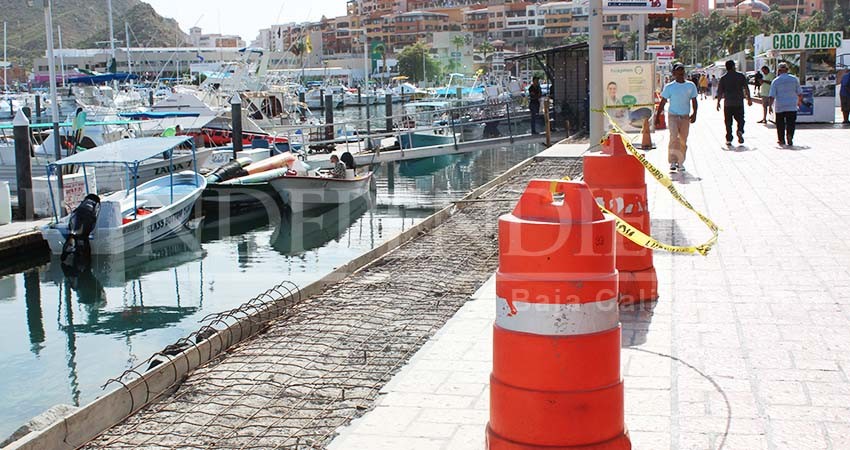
column 423, row 225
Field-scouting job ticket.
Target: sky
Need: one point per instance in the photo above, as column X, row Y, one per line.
column 244, row 17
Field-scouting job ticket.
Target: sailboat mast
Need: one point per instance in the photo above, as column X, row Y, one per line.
column 127, row 41
column 61, row 55
column 111, row 30
column 5, row 65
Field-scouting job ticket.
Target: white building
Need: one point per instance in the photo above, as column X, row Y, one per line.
column 199, row 39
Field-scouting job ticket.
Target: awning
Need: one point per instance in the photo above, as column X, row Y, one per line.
column 104, row 78
column 142, row 115
column 126, row 151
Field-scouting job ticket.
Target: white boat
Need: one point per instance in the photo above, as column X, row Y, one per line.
column 135, row 217
column 305, row 193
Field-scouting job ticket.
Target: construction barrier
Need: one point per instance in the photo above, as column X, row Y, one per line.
column 618, row 183
column 556, row 381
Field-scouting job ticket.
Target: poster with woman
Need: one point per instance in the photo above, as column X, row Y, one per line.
column 629, row 92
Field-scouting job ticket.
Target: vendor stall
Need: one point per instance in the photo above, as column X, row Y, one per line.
column 811, row 57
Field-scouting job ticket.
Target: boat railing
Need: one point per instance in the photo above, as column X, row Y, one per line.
column 450, row 121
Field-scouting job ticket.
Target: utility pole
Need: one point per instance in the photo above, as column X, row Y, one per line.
column 5, row 67
column 595, row 82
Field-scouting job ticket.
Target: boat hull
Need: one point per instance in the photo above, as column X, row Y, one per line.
column 305, row 193
column 423, row 139
column 145, row 229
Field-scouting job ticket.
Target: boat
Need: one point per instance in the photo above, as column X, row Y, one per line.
column 303, row 193
column 135, row 217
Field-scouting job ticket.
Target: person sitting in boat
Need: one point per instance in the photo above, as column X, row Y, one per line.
column 338, row 170
column 348, row 159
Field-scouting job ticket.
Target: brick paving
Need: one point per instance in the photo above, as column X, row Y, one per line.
column 747, row 349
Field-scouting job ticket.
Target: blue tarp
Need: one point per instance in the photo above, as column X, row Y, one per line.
column 157, row 114
column 125, row 151
column 453, row 91
column 104, row 78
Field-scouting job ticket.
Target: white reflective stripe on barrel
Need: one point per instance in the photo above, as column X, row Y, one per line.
column 558, row 319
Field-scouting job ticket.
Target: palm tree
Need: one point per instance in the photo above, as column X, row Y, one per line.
column 381, row 49
column 486, row 48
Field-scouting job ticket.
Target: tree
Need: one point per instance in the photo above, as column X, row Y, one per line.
column 815, row 22
column 838, row 21
column 486, row 48
column 739, row 36
column 776, row 21
column 411, row 60
column 381, row 49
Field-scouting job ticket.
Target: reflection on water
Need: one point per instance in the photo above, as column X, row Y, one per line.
column 64, row 333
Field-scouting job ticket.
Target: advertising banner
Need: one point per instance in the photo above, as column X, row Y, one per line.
column 817, row 40
column 629, row 95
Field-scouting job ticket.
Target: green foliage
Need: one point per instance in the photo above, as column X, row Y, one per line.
column 838, row 20
column 410, row 62
column 486, row 48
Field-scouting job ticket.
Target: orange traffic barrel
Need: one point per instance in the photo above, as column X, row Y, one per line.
column 618, row 182
column 556, row 381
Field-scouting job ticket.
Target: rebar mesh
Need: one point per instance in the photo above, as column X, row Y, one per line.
column 323, row 362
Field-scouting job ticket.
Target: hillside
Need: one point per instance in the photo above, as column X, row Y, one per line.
column 84, row 24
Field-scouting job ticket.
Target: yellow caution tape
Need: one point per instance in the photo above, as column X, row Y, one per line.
column 633, row 234
column 637, row 105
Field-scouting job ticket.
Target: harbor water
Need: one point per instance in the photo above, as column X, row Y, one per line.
column 64, row 334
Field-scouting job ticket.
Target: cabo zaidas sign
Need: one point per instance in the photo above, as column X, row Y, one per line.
column 806, row 41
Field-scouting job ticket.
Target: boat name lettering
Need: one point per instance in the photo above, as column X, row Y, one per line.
column 167, row 220
column 164, row 170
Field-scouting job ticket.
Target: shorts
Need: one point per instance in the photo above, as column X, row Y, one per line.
column 845, row 103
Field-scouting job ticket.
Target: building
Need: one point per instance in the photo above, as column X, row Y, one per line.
column 198, row 39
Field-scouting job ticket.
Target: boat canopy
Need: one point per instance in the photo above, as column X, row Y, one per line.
column 46, row 125
column 143, row 115
column 125, row 151
column 103, row 78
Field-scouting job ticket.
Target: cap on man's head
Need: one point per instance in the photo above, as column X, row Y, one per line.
column 678, row 66
column 730, row 65
column 782, row 66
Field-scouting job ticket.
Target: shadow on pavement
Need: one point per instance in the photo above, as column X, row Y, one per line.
column 635, row 320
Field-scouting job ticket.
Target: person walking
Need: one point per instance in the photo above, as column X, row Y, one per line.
column 844, row 93
column 733, row 89
column 703, row 86
column 534, row 94
column 764, row 90
column 682, row 95
column 785, row 97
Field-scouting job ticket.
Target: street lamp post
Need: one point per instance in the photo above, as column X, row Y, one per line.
column 365, row 54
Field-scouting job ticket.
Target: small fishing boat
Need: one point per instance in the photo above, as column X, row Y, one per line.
column 309, row 192
column 130, row 218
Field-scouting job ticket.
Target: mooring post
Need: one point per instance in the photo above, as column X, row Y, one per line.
column 368, row 126
column 150, row 97
column 236, row 117
column 510, row 128
column 548, row 124
column 23, row 164
column 321, row 98
column 38, row 108
column 329, row 118
column 389, row 112
column 459, row 91
column 359, row 96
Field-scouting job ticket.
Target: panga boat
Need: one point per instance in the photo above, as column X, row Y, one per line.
column 296, row 185
column 131, row 218
column 305, row 193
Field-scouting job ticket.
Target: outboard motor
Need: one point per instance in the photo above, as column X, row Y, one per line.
column 77, row 248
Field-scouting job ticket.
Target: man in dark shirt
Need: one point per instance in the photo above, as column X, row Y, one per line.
column 534, row 94
column 733, row 88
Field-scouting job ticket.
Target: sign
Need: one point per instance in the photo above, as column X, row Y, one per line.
column 628, row 95
column 455, row 54
column 659, row 48
column 664, row 56
column 634, row 7
column 609, row 56
column 806, row 41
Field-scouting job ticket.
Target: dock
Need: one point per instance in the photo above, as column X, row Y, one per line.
column 18, row 238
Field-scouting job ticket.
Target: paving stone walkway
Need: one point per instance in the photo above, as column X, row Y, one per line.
column 747, row 348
